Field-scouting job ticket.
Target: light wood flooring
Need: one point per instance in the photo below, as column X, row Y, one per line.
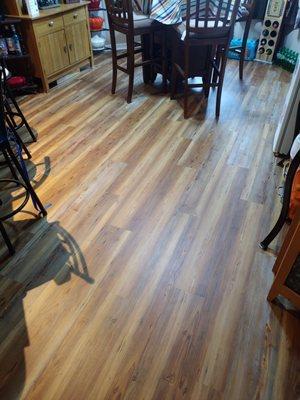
column 146, row 281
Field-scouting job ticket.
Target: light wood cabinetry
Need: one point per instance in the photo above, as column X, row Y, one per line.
column 58, row 40
column 53, row 52
column 78, row 42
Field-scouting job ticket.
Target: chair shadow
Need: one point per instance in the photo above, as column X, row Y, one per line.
column 45, row 252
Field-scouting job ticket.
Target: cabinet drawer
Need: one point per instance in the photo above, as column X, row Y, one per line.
column 48, row 25
column 74, row 16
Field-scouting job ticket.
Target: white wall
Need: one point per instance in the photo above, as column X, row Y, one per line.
column 292, row 41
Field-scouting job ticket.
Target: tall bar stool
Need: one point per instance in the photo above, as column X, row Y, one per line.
column 122, row 19
column 12, row 109
column 245, row 14
column 11, row 150
column 208, row 25
column 20, row 178
column 9, row 114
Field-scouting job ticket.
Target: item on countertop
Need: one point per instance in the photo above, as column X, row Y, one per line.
column 94, row 5
column 96, row 23
column 250, row 50
column 31, row 7
column 287, row 59
column 44, row 4
column 98, row 43
column 71, row 1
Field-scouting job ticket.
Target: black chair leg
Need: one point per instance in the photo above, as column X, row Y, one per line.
column 18, row 138
column 114, row 62
column 130, row 67
column 285, row 204
column 164, row 62
column 7, row 239
column 217, row 59
column 20, row 114
column 186, row 80
column 221, row 81
column 10, row 166
column 27, row 182
column 244, row 44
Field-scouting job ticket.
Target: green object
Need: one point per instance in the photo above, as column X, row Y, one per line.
column 287, row 59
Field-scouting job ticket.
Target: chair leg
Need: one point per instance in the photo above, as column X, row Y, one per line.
column 221, row 80
column 186, row 79
column 10, row 166
column 114, row 61
column 174, row 72
column 217, row 57
column 9, row 112
column 21, row 115
column 207, row 78
column 27, row 182
column 130, row 66
column 241, row 64
column 186, row 96
column 244, row 47
column 164, row 62
column 18, row 138
column 173, row 82
column 6, row 239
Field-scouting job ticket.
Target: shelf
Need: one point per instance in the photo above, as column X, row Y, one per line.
column 98, row 9
column 15, row 57
column 10, row 21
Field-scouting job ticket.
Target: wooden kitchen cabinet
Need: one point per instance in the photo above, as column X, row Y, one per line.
column 53, row 52
column 78, row 42
column 58, row 39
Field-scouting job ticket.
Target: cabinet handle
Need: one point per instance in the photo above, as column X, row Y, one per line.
column 70, row 47
column 65, row 49
column 75, row 16
column 51, row 23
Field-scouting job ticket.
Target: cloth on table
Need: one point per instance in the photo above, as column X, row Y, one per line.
column 241, row 16
column 171, row 12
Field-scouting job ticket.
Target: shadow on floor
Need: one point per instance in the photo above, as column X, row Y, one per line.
column 51, row 254
column 59, row 265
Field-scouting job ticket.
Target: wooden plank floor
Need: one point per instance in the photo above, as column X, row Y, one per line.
column 146, row 280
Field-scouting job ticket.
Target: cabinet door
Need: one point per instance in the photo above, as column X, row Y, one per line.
column 78, row 41
column 53, row 52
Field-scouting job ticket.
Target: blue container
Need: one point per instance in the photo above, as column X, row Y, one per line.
column 250, row 52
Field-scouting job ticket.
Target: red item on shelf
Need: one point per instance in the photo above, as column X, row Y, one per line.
column 94, row 5
column 16, row 81
column 96, row 23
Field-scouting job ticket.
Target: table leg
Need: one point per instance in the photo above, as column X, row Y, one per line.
column 147, row 69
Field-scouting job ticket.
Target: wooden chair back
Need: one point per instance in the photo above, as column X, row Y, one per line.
column 120, row 14
column 216, row 17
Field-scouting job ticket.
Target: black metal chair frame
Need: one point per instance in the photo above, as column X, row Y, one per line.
column 15, row 165
column 5, row 217
column 11, row 106
column 285, row 203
